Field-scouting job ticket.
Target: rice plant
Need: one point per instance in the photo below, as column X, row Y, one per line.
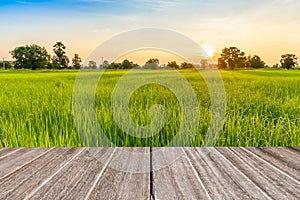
column 263, row 109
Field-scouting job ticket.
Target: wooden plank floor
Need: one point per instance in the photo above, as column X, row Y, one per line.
column 200, row 173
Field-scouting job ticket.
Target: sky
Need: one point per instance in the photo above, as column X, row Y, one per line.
column 268, row 28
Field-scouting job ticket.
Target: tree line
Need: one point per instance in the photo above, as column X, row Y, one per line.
column 234, row 58
column 36, row 57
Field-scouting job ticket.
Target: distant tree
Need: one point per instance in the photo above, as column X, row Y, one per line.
column 30, row 57
column 92, row 64
column 105, row 62
column 186, row 65
column 276, row 66
column 115, row 66
column 232, row 58
column 153, row 60
column 173, row 65
column 76, row 62
column 126, row 64
column 6, row 65
column 255, row 62
column 104, row 65
column 204, row 64
column 60, row 60
column 60, row 63
column 288, row 61
column 152, row 63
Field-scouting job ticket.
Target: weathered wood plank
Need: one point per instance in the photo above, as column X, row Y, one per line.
column 221, row 178
column 7, row 151
column 74, row 180
column 228, row 173
column 296, row 149
column 280, row 157
column 103, row 173
column 28, row 178
column 115, row 184
column 13, row 162
column 273, row 183
column 177, row 180
column 87, row 178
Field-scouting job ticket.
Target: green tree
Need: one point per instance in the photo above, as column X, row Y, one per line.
column 276, row 66
column 115, row 66
column 30, row 57
column 255, row 62
column 60, row 60
column 126, row 64
column 76, row 62
column 153, row 60
column 6, row 65
column 152, row 63
column 105, row 65
column 92, row 64
column 288, row 61
column 173, row 65
column 232, row 58
column 186, row 65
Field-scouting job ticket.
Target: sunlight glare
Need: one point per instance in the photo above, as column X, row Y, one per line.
column 209, row 49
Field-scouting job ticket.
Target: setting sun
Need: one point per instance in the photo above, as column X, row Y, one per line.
column 209, row 50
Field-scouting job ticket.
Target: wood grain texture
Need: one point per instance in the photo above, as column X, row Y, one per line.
column 178, row 181
column 114, row 184
column 17, row 159
column 199, row 173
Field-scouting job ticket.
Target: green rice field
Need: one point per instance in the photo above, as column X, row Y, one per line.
column 263, row 108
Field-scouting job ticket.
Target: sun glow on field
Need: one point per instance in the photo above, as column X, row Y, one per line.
column 209, row 50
